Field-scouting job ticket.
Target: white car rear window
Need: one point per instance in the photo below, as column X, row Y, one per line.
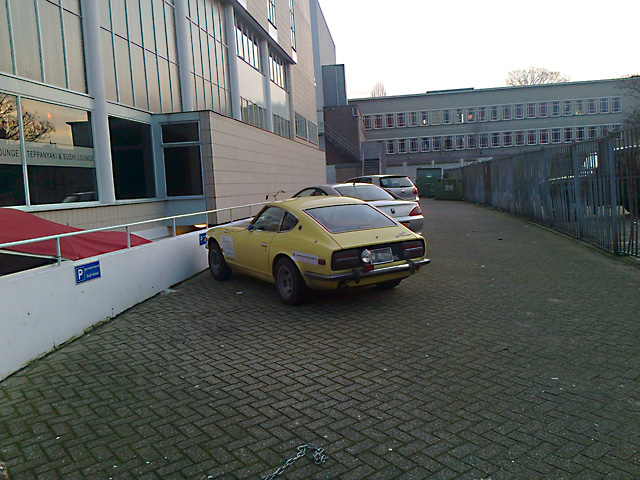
column 395, row 182
column 349, row 218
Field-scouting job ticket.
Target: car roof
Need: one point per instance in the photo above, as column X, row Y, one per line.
column 387, row 175
column 300, row 203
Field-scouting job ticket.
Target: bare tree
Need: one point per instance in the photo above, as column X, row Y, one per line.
column 534, row 76
column 378, row 90
column 33, row 127
column 630, row 84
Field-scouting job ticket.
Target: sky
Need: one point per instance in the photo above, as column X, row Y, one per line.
column 414, row 46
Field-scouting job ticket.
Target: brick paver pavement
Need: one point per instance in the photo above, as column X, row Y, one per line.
column 515, row 354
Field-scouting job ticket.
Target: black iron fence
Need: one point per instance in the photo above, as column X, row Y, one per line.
column 589, row 190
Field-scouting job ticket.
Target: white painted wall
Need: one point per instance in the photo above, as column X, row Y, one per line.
column 58, row 309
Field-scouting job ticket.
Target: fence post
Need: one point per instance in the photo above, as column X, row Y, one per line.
column 58, row 251
column 578, row 207
column 610, row 162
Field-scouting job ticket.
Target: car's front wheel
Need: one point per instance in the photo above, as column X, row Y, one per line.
column 218, row 266
column 289, row 283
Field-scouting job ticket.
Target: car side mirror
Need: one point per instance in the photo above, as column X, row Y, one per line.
column 250, row 227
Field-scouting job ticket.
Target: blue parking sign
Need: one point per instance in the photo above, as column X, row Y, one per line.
column 203, row 238
column 88, row 271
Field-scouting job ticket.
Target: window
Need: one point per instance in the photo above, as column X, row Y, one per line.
column 531, row 110
column 519, row 111
column 132, row 159
column 591, row 106
column 592, row 132
column 269, row 219
column 578, row 106
column 483, row 140
column 402, row 145
column 555, row 108
column 424, row 118
column 281, row 126
column 556, row 135
column 448, row 142
column 532, row 137
column 437, row 144
column 436, row 117
column 544, row 136
column 183, row 170
column 377, row 121
column 11, row 175
column 401, row 120
column 459, row 116
column 425, row 144
column 568, row 135
column 495, row 140
column 543, row 111
column 391, row 147
column 271, row 12
column 277, row 70
column 414, row 145
column 368, row 124
column 471, row 141
column 507, row 139
column 580, row 134
column 519, row 138
column 301, row 127
column 389, row 120
column 568, row 108
column 446, row 116
column 494, row 113
column 413, row 119
column 471, row 115
column 459, row 142
column 506, row 112
column 252, row 113
column 615, row 105
column 604, row 130
column 313, row 132
column 604, row 105
column 482, row 114
column 292, row 19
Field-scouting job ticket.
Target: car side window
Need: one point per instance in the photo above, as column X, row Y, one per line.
column 307, row 192
column 269, row 220
column 289, row 222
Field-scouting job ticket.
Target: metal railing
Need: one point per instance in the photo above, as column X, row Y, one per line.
column 589, row 190
column 127, row 228
column 340, row 141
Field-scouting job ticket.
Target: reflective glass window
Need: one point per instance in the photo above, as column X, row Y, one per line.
column 59, row 153
column 6, row 64
column 139, row 77
column 25, row 33
column 152, row 81
column 52, row 50
column 11, row 176
column 108, row 67
column 133, row 21
column 123, row 71
column 75, row 53
column 180, row 132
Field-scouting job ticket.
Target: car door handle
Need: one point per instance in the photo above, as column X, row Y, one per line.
column 264, row 244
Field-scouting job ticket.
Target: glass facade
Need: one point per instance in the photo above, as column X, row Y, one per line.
column 41, row 40
column 182, row 164
column 51, row 146
column 139, row 54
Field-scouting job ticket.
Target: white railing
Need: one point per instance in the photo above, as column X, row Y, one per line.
column 127, row 228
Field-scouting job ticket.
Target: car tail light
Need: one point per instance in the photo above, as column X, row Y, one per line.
column 413, row 249
column 415, row 211
column 345, row 259
column 415, row 190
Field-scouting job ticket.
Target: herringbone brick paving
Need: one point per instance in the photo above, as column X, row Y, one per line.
column 514, row 355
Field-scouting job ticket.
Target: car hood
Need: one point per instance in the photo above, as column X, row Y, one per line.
column 372, row 237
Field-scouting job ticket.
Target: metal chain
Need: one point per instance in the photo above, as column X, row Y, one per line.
column 318, row 458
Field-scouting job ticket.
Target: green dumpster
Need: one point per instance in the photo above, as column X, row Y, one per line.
column 426, row 180
column 448, row 189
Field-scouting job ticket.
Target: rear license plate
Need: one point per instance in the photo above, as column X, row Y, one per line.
column 381, row 255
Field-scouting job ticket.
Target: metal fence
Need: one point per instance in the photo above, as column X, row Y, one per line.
column 589, row 190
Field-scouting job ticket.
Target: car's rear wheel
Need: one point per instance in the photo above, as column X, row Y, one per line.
column 388, row 285
column 218, row 266
column 289, row 283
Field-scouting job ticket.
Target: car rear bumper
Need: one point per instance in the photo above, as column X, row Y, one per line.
column 357, row 274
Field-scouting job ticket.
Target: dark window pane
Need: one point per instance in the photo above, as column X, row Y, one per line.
column 11, row 178
column 180, row 132
column 59, row 184
column 132, row 159
column 183, row 171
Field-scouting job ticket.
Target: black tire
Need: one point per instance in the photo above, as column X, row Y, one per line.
column 289, row 283
column 388, row 285
column 218, row 266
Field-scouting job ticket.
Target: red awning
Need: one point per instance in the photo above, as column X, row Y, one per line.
column 17, row 225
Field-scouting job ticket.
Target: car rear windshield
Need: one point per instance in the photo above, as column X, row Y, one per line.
column 367, row 193
column 395, row 182
column 349, row 218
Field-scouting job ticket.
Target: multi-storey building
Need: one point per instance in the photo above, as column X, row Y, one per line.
column 447, row 128
column 122, row 110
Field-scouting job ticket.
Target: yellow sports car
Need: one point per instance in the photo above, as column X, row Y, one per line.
column 317, row 243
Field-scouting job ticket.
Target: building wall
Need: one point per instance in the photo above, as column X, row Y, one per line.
column 464, row 129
